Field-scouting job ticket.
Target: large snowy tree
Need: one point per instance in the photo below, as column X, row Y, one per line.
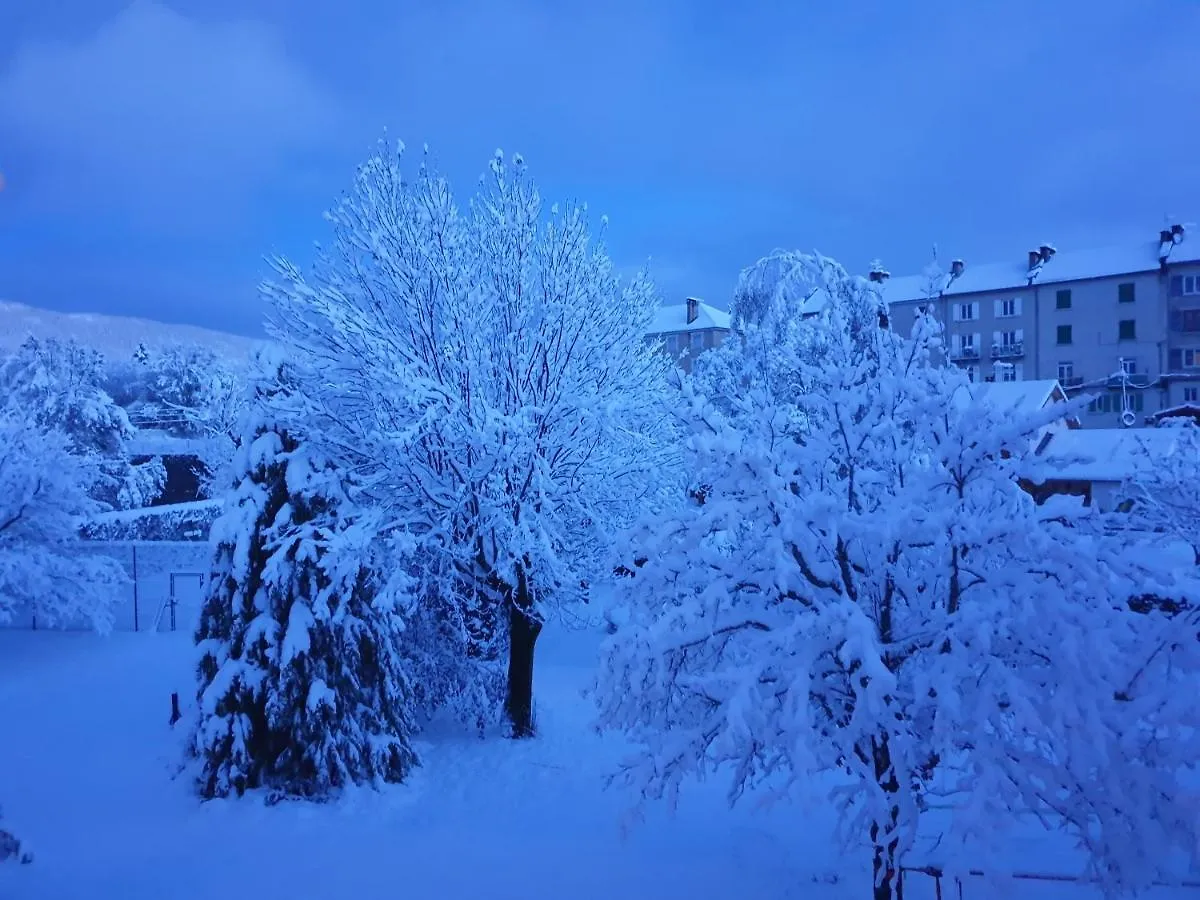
column 45, row 568
column 861, row 603
column 486, row 374
column 302, row 684
column 59, row 385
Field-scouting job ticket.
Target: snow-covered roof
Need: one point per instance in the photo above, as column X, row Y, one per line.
column 1108, row 454
column 1028, row 395
column 672, row 318
column 814, row 302
column 1063, row 266
column 155, row 442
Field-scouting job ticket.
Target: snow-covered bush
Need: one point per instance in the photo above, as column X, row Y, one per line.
column 861, row 603
column 486, row 375
column 44, row 566
column 302, row 686
column 187, row 391
column 58, row 385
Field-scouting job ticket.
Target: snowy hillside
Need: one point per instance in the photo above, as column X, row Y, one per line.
column 117, row 337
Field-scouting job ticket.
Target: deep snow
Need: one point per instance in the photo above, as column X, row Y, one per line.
column 86, row 762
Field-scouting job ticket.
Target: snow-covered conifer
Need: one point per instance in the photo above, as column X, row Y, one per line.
column 487, row 374
column 862, row 602
column 45, row 568
column 302, row 686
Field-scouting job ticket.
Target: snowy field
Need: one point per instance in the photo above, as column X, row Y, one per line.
column 86, row 765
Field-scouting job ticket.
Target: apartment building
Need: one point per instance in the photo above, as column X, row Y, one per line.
column 1121, row 325
column 692, row 326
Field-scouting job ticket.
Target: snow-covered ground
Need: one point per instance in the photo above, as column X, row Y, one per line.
column 86, row 763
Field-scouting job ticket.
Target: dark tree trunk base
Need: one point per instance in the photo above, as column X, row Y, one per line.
column 523, row 635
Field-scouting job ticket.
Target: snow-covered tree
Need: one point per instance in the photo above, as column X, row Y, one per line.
column 44, row 565
column 302, row 686
column 486, row 374
column 11, row 848
column 59, row 385
column 1165, row 494
column 862, row 604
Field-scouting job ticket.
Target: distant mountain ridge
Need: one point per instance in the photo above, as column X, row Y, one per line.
column 117, row 337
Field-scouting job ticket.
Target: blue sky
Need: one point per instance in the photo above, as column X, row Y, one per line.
column 154, row 152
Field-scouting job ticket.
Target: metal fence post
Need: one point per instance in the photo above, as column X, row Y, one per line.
column 135, row 589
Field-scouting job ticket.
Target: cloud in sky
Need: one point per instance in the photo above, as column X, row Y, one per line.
column 155, row 109
column 162, row 148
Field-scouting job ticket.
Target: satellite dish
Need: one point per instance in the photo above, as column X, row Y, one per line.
column 1128, row 418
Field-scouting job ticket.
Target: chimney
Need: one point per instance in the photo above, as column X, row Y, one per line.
column 1035, row 259
column 1177, row 233
column 956, row 268
column 1166, row 236
column 1045, row 251
column 693, row 309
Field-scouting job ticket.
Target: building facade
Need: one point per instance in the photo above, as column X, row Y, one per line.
column 1120, row 325
column 688, row 329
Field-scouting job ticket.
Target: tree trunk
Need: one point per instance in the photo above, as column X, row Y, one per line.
column 524, row 629
column 885, row 865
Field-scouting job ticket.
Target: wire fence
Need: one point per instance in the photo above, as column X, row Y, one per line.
column 164, row 591
column 955, row 887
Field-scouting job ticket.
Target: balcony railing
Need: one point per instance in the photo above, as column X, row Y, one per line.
column 964, row 353
column 1008, row 351
column 1073, row 381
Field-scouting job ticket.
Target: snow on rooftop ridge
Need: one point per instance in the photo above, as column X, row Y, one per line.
column 117, row 337
column 1062, row 266
column 672, row 318
column 1108, row 454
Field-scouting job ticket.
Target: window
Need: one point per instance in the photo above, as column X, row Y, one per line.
column 966, row 312
column 1191, row 395
column 1062, row 300
column 1007, row 372
column 1112, row 403
column 697, row 341
column 1127, row 330
column 1066, row 371
column 1185, row 285
column 1009, row 339
column 1064, row 331
column 1183, row 359
column 1128, row 366
column 966, row 342
column 972, row 372
column 1007, row 309
column 1126, row 291
column 1187, row 320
